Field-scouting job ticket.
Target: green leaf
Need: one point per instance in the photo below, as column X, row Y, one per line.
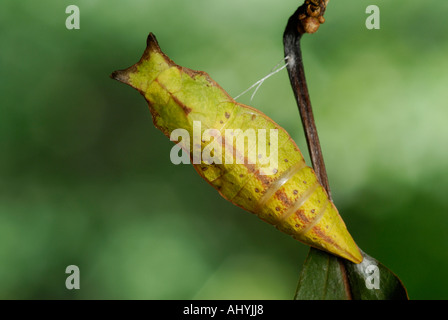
column 326, row 277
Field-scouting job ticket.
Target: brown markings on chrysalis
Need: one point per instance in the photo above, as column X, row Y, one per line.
column 283, row 198
column 302, row 217
column 275, row 186
column 186, row 109
column 252, row 168
column 315, row 220
column 298, row 203
column 322, row 235
column 183, row 106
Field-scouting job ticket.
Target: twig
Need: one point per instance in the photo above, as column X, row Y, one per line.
column 299, row 23
column 307, row 19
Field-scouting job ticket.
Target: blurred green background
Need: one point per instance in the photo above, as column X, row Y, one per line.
column 86, row 179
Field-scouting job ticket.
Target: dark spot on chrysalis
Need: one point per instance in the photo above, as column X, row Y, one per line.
column 326, row 227
column 295, row 192
column 297, row 226
column 241, row 175
column 250, row 199
column 256, row 190
column 286, row 160
column 304, row 182
column 253, row 117
column 312, row 211
column 227, row 115
column 277, row 209
column 204, row 168
column 220, row 121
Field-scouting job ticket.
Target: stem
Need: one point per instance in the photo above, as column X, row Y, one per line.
column 307, row 19
column 291, row 41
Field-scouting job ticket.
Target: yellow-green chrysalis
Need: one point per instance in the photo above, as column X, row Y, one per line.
column 290, row 197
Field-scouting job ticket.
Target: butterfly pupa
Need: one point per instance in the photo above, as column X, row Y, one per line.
column 290, row 198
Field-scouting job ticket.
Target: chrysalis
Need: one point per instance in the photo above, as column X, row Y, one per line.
column 289, row 197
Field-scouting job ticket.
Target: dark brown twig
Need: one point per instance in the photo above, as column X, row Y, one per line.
column 306, row 19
